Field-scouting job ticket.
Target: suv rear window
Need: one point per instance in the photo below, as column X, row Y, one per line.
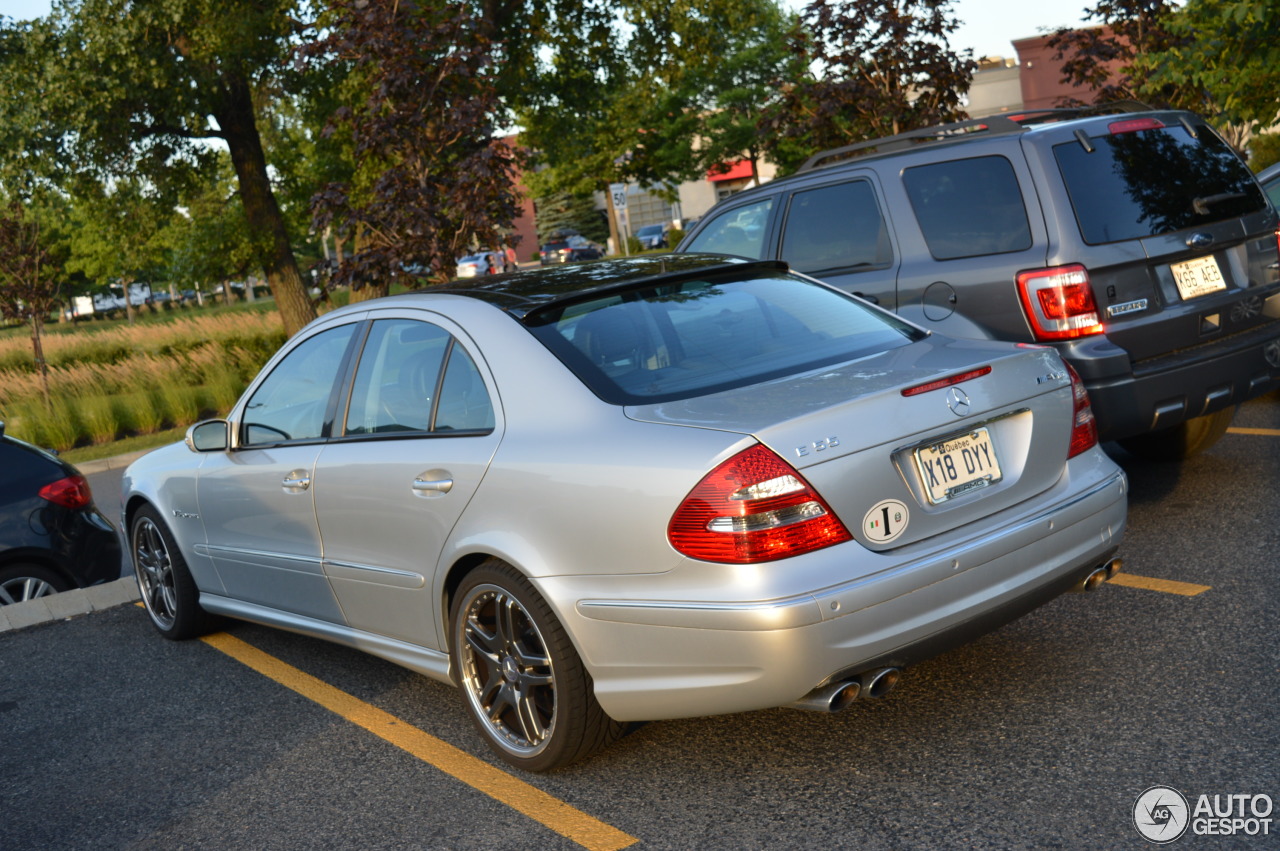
column 691, row 338
column 1139, row 184
column 968, row 208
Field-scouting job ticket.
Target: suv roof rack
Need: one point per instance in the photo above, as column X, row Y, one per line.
column 991, row 125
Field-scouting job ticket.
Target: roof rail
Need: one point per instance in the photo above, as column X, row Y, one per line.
column 992, row 125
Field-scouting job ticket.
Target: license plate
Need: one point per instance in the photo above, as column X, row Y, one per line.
column 1197, row 277
column 958, row 465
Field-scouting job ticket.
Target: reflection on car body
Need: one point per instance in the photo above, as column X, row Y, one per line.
column 629, row 490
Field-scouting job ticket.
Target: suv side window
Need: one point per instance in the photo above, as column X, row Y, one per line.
column 968, row 208
column 738, row 231
column 835, row 227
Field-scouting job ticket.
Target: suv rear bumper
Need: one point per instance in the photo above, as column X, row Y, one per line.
column 1163, row 392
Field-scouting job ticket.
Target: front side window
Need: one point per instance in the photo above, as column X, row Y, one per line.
column 414, row 377
column 1138, row 184
column 968, row 208
column 291, row 403
column 692, row 338
column 835, row 227
column 739, row 231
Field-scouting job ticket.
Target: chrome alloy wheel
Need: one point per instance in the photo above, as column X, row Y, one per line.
column 154, row 566
column 506, row 670
column 22, row 588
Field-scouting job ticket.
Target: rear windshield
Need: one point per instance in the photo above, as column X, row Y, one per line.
column 692, row 338
column 1139, row 184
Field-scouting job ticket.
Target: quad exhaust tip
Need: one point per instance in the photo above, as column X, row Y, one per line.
column 1100, row 575
column 836, row 696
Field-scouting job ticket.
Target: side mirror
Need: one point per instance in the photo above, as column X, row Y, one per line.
column 208, row 436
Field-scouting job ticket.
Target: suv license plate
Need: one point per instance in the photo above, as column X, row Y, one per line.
column 1197, row 277
column 958, row 465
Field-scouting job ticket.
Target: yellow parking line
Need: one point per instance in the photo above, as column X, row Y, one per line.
column 1265, row 432
column 1168, row 586
column 533, row 802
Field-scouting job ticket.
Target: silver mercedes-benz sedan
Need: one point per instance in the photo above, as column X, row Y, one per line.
column 631, row 490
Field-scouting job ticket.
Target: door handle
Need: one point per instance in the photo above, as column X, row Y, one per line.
column 297, row 480
column 432, row 485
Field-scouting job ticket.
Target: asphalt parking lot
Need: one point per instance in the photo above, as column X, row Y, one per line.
column 1042, row 734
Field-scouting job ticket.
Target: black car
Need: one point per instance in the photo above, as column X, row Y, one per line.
column 52, row 537
column 1136, row 242
column 565, row 252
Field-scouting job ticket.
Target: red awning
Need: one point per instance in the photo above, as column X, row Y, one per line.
column 739, row 170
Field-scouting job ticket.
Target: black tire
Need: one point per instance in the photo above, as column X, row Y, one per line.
column 1182, row 441
column 22, row 582
column 525, row 686
column 168, row 591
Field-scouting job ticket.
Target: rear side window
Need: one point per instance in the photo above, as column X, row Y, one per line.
column 739, row 231
column 968, row 208
column 1143, row 183
column 835, row 227
column 692, row 338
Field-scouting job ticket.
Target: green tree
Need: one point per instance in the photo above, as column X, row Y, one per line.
column 1224, row 50
column 208, row 240
column 565, row 213
column 29, row 281
column 877, row 68
column 127, row 87
column 117, row 236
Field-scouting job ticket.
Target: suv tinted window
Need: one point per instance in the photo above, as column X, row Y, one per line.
column 738, row 231
column 1142, row 183
column 677, row 341
column 835, row 227
column 968, row 208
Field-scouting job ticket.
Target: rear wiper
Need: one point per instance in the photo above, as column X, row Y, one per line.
column 1201, row 205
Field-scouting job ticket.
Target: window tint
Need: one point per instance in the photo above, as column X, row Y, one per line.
column 396, row 380
column 1143, row 183
column 291, row 402
column 968, row 208
column 697, row 337
column 398, row 386
column 738, row 231
column 835, row 227
column 464, row 401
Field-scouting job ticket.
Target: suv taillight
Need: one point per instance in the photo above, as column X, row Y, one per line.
column 1059, row 302
column 1084, row 428
column 71, row 492
column 754, row 507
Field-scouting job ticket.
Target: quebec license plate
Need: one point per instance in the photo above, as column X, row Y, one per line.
column 958, row 465
column 1197, row 277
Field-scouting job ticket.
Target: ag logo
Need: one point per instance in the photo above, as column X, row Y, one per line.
column 885, row 521
column 1161, row 814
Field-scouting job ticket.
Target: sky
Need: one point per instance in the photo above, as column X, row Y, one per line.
column 988, row 26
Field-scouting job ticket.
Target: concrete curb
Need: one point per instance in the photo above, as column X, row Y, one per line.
column 69, row 604
column 113, row 463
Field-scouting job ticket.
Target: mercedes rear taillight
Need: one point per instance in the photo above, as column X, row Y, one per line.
column 71, row 492
column 1059, row 302
column 1084, row 428
column 754, row 507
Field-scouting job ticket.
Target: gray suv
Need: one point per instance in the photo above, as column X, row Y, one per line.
column 1137, row 243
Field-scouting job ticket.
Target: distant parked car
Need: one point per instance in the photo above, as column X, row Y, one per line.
column 568, row 251
column 52, row 536
column 486, row 263
column 657, row 487
column 652, row 236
